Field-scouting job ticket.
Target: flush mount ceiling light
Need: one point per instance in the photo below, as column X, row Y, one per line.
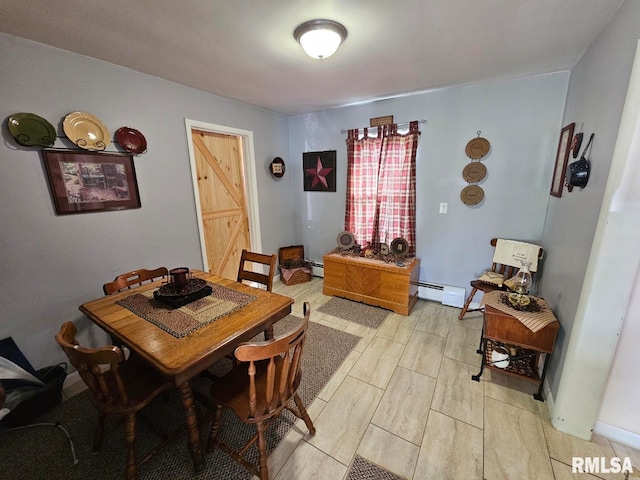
column 320, row 38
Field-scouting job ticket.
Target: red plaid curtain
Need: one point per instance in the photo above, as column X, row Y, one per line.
column 363, row 165
column 381, row 186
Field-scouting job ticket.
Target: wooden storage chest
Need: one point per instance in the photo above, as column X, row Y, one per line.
column 373, row 282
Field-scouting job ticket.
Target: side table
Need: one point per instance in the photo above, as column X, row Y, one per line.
column 502, row 329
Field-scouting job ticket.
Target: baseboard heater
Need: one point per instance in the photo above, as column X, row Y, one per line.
column 445, row 294
column 317, row 269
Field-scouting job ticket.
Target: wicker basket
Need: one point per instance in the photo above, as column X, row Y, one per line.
column 293, row 268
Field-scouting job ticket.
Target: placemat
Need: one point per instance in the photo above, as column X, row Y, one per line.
column 534, row 321
column 182, row 321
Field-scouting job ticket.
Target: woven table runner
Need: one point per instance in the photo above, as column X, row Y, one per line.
column 534, row 321
column 182, row 321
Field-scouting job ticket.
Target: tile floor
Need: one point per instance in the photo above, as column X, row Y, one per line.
column 404, row 399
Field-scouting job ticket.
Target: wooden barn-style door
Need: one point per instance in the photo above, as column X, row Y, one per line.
column 221, row 192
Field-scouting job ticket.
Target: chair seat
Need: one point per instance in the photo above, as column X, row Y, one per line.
column 232, row 390
column 486, row 287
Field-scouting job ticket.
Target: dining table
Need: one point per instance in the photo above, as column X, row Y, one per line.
column 181, row 342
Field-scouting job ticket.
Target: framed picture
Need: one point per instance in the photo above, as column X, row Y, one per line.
column 564, row 148
column 84, row 181
column 319, row 169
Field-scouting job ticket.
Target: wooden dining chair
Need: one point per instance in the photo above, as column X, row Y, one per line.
column 495, row 278
column 259, row 388
column 246, row 273
column 133, row 279
column 116, row 387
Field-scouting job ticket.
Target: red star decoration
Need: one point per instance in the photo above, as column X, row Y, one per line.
column 319, row 174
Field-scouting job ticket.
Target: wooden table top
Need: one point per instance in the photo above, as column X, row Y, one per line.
column 183, row 358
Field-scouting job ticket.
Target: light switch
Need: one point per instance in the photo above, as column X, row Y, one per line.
column 443, row 208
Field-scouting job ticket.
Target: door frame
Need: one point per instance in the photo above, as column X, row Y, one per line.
column 249, row 175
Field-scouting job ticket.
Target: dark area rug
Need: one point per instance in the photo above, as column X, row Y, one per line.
column 362, row 469
column 355, row 312
column 43, row 452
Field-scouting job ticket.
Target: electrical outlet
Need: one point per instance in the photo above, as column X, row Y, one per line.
column 443, row 208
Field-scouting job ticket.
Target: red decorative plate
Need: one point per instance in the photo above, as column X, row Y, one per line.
column 131, row 140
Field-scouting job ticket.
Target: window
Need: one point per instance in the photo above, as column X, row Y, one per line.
column 381, row 185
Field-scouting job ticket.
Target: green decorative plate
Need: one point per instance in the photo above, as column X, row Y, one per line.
column 31, row 130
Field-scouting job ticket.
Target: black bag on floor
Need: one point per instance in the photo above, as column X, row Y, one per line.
column 29, row 393
column 41, row 399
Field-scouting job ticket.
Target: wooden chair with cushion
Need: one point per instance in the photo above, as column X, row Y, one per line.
column 133, row 279
column 245, row 273
column 502, row 270
column 259, row 387
column 116, row 387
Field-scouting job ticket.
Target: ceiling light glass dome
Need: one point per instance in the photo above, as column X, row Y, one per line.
column 320, row 38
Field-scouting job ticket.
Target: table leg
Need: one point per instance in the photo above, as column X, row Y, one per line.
column 480, row 351
column 268, row 333
column 483, row 341
column 538, row 395
column 195, row 449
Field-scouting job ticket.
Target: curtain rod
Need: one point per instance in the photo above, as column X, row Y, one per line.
column 403, row 124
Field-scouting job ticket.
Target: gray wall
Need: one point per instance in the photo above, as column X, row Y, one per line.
column 595, row 100
column 521, row 118
column 51, row 264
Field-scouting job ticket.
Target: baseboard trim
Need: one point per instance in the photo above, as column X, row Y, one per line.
column 617, row 434
column 548, row 397
column 611, row 432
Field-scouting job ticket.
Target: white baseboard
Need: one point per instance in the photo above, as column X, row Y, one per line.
column 548, row 397
column 617, row 434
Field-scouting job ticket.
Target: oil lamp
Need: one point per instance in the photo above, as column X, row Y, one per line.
column 522, row 280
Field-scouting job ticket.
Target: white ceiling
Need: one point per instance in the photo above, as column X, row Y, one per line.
column 245, row 50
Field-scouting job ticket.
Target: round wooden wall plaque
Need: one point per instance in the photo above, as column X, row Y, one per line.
column 471, row 195
column 477, row 148
column 474, row 172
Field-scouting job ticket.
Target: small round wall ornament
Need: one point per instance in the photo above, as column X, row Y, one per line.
column 277, row 167
column 477, row 147
column 474, row 172
column 346, row 240
column 471, row 195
